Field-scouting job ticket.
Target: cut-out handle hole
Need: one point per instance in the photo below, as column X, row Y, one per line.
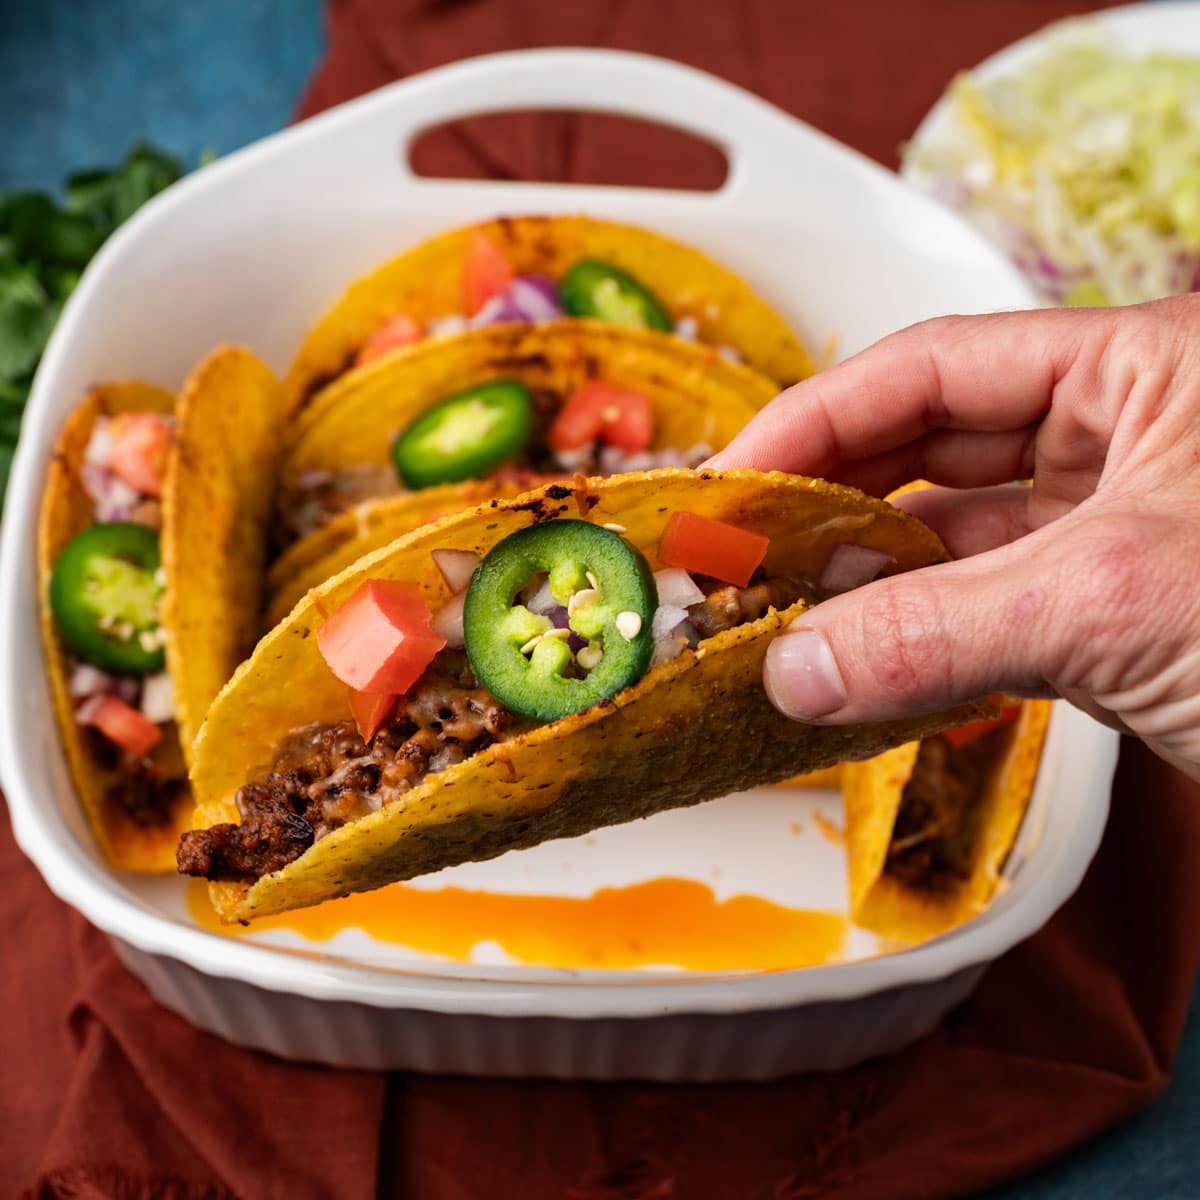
column 569, row 147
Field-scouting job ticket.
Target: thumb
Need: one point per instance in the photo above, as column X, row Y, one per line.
column 922, row 641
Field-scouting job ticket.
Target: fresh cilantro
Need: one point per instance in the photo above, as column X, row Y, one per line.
column 44, row 247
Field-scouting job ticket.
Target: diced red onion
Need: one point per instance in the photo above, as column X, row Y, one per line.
column 543, row 601
column 665, row 650
column 851, row 566
column 499, row 310
column 561, row 619
column 99, row 444
column 527, row 298
column 456, row 566
column 676, row 587
column 158, row 698
column 666, row 618
column 85, row 714
column 127, row 688
column 448, row 621
column 113, row 498
column 536, row 296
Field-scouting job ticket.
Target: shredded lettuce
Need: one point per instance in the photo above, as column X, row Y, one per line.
column 1085, row 166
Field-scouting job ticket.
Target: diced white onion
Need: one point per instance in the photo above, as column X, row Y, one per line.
column 675, row 586
column 448, row 621
column 456, row 566
column 446, row 326
column 113, row 497
column 687, row 328
column 573, row 459
column 86, row 712
column 158, row 698
column 851, row 566
column 86, row 680
column 99, row 444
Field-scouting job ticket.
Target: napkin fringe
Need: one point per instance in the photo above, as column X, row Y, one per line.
column 110, row 1182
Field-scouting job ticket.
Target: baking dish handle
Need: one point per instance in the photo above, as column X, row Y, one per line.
column 747, row 129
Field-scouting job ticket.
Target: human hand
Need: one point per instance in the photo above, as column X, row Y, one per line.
column 1085, row 585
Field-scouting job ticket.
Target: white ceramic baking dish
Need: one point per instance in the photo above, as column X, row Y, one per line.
column 252, row 249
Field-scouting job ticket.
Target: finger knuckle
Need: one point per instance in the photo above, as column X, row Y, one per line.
column 900, row 628
column 1107, row 580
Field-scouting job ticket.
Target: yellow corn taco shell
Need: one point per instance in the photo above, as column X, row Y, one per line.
column 696, row 397
column 217, row 498
column 67, row 511
column 827, row 777
column 215, row 505
column 696, row 727
column 426, row 283
column 366, row 527
column 873, row 791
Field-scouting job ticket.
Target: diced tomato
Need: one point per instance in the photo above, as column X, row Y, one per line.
column 707, row 547
column 620, row 417
column 139, row 448
column 370, row 711
column 395, row 332
column 486, row 272
column 381, row 639
column 120, row 723
column 964, row 735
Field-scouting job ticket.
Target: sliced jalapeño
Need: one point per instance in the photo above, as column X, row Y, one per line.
column 523, row 658
column 105, row 592
column 465, row 436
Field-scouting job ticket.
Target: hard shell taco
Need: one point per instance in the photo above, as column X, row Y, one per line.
column 537, row 268
column 930, row 824
column 526, row 670
column 151, row 544
column 491, row 414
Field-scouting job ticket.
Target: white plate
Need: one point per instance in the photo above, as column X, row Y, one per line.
column 1138, row 29
column 252, row 249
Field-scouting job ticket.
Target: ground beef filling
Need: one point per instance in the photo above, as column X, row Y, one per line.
column 327, row 776
column 319, row 495
column 936, row 825
column 726, row 606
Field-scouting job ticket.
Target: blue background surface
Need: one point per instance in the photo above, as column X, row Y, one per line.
column 81, row 81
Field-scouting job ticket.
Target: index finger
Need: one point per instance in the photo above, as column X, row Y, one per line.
column 987, row 374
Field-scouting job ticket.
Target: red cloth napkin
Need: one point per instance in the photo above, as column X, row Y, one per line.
column 106, row 1095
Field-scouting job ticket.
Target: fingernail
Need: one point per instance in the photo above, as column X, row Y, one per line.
column 802, row 677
